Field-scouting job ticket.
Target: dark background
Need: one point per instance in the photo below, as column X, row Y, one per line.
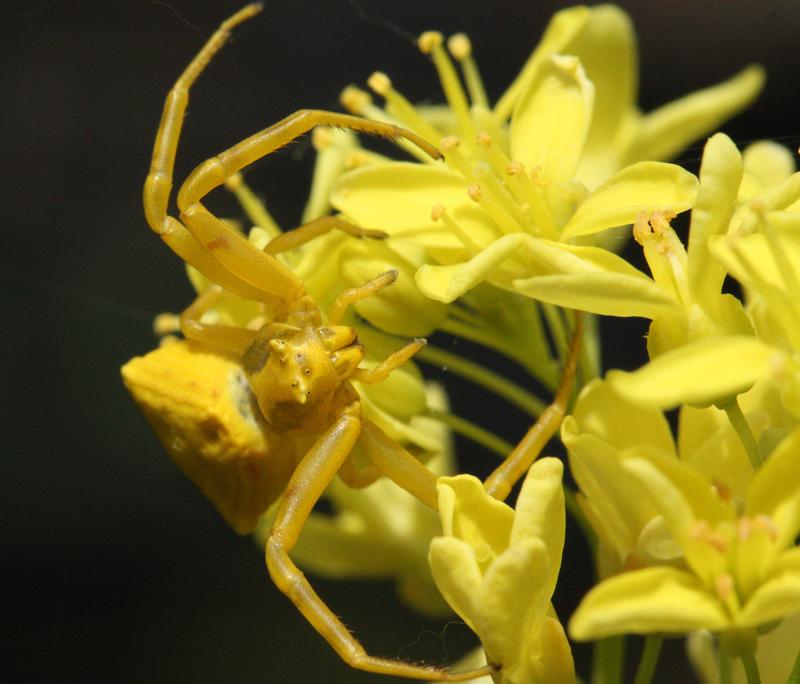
column 114, row 568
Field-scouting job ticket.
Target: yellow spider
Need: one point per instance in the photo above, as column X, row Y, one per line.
column 299, row 366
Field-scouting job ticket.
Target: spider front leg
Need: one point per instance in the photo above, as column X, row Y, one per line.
column 309, row 481
column 500, row 483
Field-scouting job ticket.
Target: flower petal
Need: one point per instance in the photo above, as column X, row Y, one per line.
column 474, row 517
column 647, row 601
column 725, row 365
column 513, row 599
column 774, row 599
column 551, row 119
column 666, row 131
column 540, row 512
column 775, row 489
column 720, row 177
column 609, row 294
column 456, row 574
column 646, row 186
column 398, row 198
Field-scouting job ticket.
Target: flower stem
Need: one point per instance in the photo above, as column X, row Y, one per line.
column 740, row 424
column 510, row 391
column 473, row 432
column 609, row 655
column 751, row 669
column 725, row 676
column 794, row 675
column 649, row 659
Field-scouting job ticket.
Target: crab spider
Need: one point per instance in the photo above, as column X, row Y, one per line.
column 300, row 366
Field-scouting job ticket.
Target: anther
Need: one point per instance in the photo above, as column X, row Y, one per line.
column 234, row 181
column 460, row 46
column 449, row 142
column 475, row 192
column 428, row 41
column 355, row 159
column 723, row 585
column 166, row 323
column 355, row 100
column 515, row 168
column 379, row 82
column 484, row 139
column 437, row 210
column 766, row 524
column 321, row 138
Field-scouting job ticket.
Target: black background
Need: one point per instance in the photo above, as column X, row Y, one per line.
column 114, row 568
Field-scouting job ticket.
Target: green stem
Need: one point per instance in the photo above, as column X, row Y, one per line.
column 649, row 659
column 486, row 339
column 608, row 660
column 473, row 432
column 740, row 424
column 510, row 391
column 751, row 669
column 725, row 676
column 794, row 676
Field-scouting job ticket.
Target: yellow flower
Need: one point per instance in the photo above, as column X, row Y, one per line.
column 605, row 429
column 749, row 236
column 553, row 162
column 497, row 568
column 742, row 567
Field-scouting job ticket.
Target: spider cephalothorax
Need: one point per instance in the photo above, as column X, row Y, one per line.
column 295, row 372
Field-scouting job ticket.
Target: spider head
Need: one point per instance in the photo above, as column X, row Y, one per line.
column 295, row 373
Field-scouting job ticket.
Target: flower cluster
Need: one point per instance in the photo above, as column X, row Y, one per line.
column 693, row 517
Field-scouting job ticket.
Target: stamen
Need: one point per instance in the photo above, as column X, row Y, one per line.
column 449, row 147
column 491, row 206
column 532, row 196
column 400, row 107
column 430, row 42
column 439, row 213
column 701, row 531
column 461, row 49
column 483, row 172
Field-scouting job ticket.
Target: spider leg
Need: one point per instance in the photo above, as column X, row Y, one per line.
column 232, row 250
column 310, row 479
column 316, row 228
column 225, row 337
column 355, row 294
column 505, row 476
column 399, row 465
column 378, row 374
column 245, row 270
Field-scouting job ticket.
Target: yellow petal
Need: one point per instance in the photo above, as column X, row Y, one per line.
column 551, row 119
column 647, row 601
column 666, row 131
column 457, row 575
column 700, row 373
column 471, row 515
column 539, row 512
column 766, row 163
column 775, row 489
column 720, row 177
column 398, row 198
column 610, row 294
column 646, row 186
column 513, row 599
column 775, row 599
